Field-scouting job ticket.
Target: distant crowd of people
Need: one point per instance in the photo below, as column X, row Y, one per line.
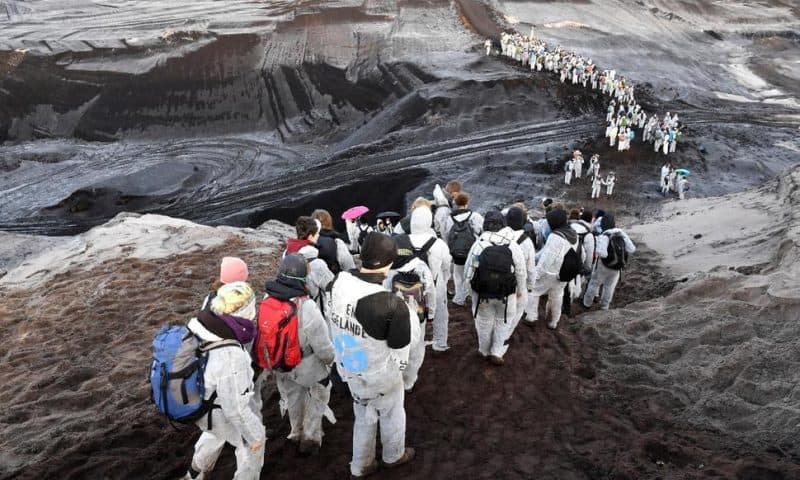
column 624, row 113
column 353, row 308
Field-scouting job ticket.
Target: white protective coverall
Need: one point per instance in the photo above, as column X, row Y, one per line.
column 440, row 263
column 583, row 229
column 495, row 320
column 529, row 252
column 305, row 391
column 577, row 165
column 476, row 222
column 602, row 275
column 416, row 354
column 547, row 282
column 361, row 308
column 609, row 183
column 442, row 206
column 238, row 420
column 568, row 169
column 596, row 186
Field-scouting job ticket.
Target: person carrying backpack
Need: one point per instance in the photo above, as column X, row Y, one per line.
column 439, row 261
column 371, row 333
column 231, row 269
column 443, row 202
column 337, row 256
column 461, row 229
column 516, row 218
column 412, row 280
column 288, row 313
column 228, row 381
column 495, row 270
column 559, row 262
column 613, row 248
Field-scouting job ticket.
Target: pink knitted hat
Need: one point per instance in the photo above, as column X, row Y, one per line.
column 233, row 269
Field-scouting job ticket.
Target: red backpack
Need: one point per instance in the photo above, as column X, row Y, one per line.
column 277, row 345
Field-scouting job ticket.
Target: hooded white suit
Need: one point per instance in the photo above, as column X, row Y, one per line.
column 495, row 321
column 440, row 263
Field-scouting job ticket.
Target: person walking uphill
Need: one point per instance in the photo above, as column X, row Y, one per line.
column 371, row 333
column 552, row 275
column 235, row 417
column 613, row 248
column 304, row 387
column 495, row 270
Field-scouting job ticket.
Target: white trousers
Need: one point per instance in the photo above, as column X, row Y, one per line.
column 495, row 322
column 568, row 177
column 306, row 406
column 578, row 172
column 209, row 446
column 605, row 277
column 387, row 409
column 441, row 319
column 460, row 296
column 596, row 192
column 416, row 356
column 609, row 190
column 555, row 299
column 657, row 145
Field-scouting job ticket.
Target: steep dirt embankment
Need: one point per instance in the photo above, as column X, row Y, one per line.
column 720, row 353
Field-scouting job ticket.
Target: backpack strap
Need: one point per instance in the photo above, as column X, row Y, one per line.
column 427, row 246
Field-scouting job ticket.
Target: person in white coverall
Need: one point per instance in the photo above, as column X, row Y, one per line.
column 416, row 354
column 609, row 182
column 488, row 45
column 371, row 333
column 440, row 263
column 569, row 167
column 442, row 211
column 495, row 320
column 305, row 391
column 229, row 375
column 577, row 163
column 583, row 228
column 462, row 213
column 603, row 276
column 515, row 219
column 549, row 264
column 597, row 184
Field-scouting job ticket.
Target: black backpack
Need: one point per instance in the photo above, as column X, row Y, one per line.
column 617, row 257
column 570, row 265
column 495, row 277
column 363, row 231
column 408, row 285
column 460, row 239
column 328, row 252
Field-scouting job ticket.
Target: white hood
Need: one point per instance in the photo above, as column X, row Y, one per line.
column 440, row 197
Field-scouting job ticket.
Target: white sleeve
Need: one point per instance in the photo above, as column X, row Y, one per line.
column 447, row 260
column 629, row 246
column 530, row 259
column 472, row 259
column 317, row 332
column 343, row 256
column 602, row 246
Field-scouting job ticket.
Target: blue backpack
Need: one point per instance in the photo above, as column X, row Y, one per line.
column 177, row 374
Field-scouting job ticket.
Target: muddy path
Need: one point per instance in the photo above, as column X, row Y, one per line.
column 550, row 412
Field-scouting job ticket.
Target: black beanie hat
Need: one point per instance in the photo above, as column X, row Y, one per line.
column 515, row 218
column 378, row 251
column 293, row 266
column 607, row 223
column 493, row 221
column 556, row 219
column 586, row 216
